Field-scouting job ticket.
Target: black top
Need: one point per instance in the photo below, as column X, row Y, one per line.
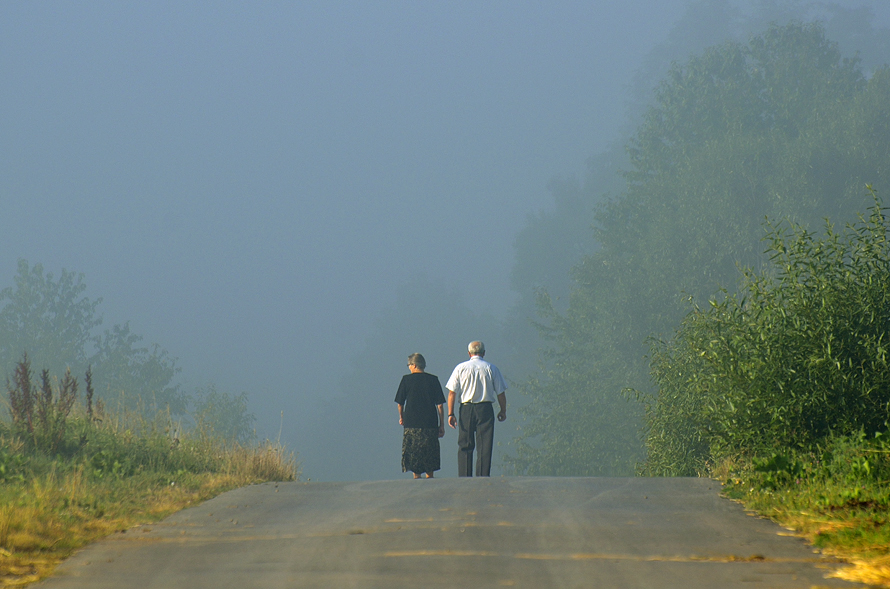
column 420, row 393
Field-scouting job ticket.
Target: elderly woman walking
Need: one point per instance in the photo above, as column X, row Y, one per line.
column 421, row 412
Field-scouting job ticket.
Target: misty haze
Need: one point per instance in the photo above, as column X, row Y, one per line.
column 275, row 204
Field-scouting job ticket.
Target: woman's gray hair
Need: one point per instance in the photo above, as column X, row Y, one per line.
column 476, row 348
column 417, row 360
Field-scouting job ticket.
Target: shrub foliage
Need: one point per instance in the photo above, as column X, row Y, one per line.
column 798, row 355
column 781, row 127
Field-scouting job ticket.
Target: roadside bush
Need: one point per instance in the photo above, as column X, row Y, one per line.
column 799, row 355
column 851, row 471
column 857, row 462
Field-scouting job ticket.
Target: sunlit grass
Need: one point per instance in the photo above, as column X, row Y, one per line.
column 124, row 475
column 838, row 507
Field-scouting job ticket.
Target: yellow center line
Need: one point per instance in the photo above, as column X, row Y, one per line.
column 576, row 556
column 605, row 556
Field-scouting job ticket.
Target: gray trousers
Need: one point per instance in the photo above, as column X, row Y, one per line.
column 475, row 428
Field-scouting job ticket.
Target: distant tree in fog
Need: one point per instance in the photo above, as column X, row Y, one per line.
column 706, row 23
column 781, row 126
column 54, row 323
column 223, row 415
column 135, row 377
column 556, row 239
column 49, row 319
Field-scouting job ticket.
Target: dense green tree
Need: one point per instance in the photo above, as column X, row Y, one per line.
column 782, row 126
column 799, row 353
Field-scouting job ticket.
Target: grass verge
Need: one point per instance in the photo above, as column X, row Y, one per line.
column 837, row 498
column 111, row 478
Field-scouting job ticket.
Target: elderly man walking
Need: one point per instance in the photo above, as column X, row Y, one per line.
column 478, row 384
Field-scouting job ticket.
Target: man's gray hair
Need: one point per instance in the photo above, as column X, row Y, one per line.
column 417, row 360
column 476, row 348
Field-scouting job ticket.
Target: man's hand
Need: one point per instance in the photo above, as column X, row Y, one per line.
column 502, row 415
column 452, row 421
column 442, row 431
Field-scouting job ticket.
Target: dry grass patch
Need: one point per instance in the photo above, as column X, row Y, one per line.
column 53, row 506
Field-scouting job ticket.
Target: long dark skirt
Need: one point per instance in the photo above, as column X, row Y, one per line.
column 420, row 449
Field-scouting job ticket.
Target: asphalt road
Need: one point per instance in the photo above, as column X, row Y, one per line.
column 499, row 532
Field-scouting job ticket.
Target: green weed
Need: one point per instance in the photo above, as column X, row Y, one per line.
column 837, row 496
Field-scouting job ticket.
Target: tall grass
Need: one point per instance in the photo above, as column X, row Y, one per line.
column 92, row 473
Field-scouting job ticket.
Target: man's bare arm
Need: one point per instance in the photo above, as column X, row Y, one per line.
column 452, row 421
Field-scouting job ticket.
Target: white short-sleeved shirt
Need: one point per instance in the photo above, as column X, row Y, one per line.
column 476, row 381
